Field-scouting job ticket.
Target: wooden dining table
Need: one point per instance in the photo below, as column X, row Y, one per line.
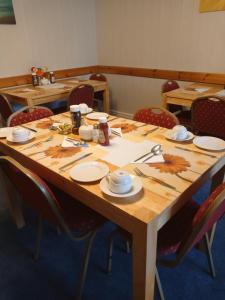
column 186, row 96
column 185, row 169
column 30, row 96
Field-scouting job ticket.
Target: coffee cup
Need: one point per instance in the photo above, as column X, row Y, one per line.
column 20, row 134
column 120, row 182
column 179, row 132
column 83, row 108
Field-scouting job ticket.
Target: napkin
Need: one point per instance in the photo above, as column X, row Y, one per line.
column 201, row 90
column 27, row 90
column 221, row 93
column 117, row 131
column 66, row 143
column 122, row 152
column 154, row 159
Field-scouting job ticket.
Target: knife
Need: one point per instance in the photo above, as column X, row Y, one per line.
column 64, row 167
column 195, row 151
column 31, row 129
column 143, row 156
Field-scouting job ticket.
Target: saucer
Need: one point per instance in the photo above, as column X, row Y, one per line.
column 96, row 115
column 87, row 112
column 89, row 171
column 136, row 188
column 10, row 138
column 189, row 137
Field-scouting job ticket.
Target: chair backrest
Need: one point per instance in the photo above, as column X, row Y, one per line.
column 98, row 76
column 5, row 108
column 206, row 216
column 156, row 116
column 83, row 93
column 208, row 116
column 24, row 116
column 169, row 85
column 34, row 191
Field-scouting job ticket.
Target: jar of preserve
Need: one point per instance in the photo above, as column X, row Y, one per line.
column 75, row 118
column 35, row 79
column 103, row 138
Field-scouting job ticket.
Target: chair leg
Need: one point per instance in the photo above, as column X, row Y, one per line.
column 85, row 264
column 110, row 249
column 159, row 285
column 209, row 256
column 212, row 233
column 38, row 241
column 127, row 246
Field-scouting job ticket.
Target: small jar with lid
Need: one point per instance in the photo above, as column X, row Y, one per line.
column 103, row 132
column 35, row 79
column 75, row 118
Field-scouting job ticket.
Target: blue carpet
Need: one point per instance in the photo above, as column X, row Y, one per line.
column 55, row 275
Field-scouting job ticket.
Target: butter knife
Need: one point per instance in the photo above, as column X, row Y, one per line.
column 142, row 156
column 65, row 167
column 31, row 129
column 195, row 151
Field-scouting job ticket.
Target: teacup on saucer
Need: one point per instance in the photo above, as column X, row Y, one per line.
column 20, row 134
column 179, row 132
column 83, row 108
column 120, row 182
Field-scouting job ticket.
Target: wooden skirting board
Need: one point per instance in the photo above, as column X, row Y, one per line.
column 212, row 78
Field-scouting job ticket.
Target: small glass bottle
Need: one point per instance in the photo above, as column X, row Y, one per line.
column 34, row 79
column 95, row 133
column 75, row 118
column 52, row 77
column 103, row 132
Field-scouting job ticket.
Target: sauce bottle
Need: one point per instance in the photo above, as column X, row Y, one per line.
column 75, row 118
column 34, row 79
column 52, row 77
column 103, row 132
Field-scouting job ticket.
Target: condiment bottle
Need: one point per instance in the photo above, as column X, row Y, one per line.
column 34, row 79
column 95, row 133
column 52, row 77
column 103, row 132
column 75, row 118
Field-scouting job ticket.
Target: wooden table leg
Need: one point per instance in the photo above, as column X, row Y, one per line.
column 106, row 100
column 144, row 261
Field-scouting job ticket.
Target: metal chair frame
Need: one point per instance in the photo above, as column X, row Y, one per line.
column 89, row 236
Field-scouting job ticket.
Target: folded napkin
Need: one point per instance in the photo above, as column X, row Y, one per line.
column 68, row 143
column 27, row 90
column 154, row 159
column 116, row 131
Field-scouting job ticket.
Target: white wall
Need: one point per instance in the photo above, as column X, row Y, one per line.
column 163, row 34
column 57, row 33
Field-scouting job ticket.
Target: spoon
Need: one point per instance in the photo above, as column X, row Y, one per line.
column 156, row 150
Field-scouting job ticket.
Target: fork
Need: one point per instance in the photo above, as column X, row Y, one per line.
column 141, row 174
column 38, row 143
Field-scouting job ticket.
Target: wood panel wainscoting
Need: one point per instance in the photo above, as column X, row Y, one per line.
column 202, row 77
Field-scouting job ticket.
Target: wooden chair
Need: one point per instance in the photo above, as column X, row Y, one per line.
column 83, row 93
column 23, row 115
column 77, row 221
column 5, row 108
column 208, row 116
column 184, row 231
column 98, row 96
column 156, row 116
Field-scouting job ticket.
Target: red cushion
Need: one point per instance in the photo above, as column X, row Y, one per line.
column 25, row 117
column 173, row 233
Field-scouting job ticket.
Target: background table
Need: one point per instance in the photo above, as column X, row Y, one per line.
column 142, row 215
column 29, row 95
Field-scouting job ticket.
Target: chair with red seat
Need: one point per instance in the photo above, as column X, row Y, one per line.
column 5, row 108
column 184, row 231
column 83, row 93
column 208, row 116
column 77, row 221
column 98, row 96
column 23, row 115
column 156, row 116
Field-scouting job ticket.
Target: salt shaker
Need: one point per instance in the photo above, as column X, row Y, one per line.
column 95, row 133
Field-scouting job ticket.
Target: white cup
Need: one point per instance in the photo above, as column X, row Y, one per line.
column 179, row 132
column 20, row 134
column 83, row 108
column 120, row 182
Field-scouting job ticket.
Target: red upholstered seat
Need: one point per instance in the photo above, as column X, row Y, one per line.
column 208, row 116
column 23, row 116
column 76, row 220
column 83, row 93
column 156, row 116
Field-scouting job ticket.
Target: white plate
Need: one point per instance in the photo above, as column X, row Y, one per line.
column 96, row 115
column 89, row 171
column 136, row 188
column 5, row 131
column 10, row 138
column 169, row 136
column 209, row 143
column 89, row 110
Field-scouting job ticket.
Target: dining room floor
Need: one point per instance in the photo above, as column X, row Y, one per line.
column 55, row 275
